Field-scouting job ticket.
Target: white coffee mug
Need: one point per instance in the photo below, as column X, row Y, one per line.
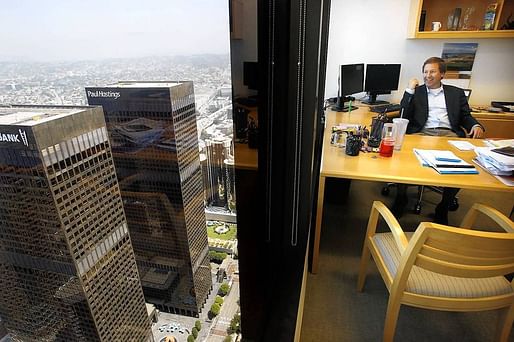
column 436, row 25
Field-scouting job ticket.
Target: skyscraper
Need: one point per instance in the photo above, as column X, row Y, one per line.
column 68, row 271
column 152, row 126
column 218, row 187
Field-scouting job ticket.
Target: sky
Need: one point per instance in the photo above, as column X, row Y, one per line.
column 68, row 30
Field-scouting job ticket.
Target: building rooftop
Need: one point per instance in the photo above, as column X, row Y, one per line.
column 140, row 84
column 32, row 116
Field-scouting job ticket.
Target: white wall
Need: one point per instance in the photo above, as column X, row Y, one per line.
column 244, row 48
column 375, row 31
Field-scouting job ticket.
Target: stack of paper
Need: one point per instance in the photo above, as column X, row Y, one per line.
column 499, row 143
column 444, row 162
column 498, row 162
column 500, row 165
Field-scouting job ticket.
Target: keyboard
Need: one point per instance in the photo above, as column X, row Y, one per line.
column 390, row 107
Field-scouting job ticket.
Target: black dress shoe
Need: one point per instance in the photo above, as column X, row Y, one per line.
column 441, row 214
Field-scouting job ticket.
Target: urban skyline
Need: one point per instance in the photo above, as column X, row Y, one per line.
column 58, row 83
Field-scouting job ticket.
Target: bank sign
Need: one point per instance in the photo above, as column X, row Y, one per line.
column 15, row 138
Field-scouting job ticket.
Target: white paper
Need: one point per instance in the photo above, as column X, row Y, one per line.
column 462, row 145
column 444, row 162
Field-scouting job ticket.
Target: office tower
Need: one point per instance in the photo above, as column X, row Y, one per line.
column 68, row 271
column 152, row 126
column 217, row 151
column 229, row 178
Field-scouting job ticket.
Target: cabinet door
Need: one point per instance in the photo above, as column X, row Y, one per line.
column 498, row 128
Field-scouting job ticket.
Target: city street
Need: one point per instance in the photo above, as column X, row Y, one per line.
column 228, row 310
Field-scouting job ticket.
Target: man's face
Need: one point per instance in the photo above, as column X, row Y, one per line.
column 432, row 76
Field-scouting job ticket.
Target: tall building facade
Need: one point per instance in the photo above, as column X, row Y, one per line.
column 219, row 164
column 68, row 270
column 152, row 126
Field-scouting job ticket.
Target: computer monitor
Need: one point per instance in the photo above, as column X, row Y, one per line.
column 381, row 79
column 351, row 79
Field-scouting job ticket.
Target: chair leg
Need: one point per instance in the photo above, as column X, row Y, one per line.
column 363, row 266
column 393, row 309
column 505, row 324
column 417, row 208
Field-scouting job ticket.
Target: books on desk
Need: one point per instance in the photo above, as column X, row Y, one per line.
column 444, row 162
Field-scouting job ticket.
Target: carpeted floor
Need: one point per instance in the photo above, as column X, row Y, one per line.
column 335, row 311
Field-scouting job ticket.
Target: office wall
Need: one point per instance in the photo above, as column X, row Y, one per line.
column 244, row 48
column 375, row 31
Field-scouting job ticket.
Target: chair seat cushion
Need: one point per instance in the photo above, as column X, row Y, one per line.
column 429, row 283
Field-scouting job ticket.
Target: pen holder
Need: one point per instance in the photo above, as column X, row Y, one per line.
column 353, row 145
column 377, row 123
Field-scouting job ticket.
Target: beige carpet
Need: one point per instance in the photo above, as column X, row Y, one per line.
column 335, row 311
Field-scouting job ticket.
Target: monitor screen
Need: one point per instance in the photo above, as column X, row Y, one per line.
column 351, row 78
column 382, row 78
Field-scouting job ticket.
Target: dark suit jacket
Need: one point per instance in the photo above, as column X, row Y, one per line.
column 416, row 109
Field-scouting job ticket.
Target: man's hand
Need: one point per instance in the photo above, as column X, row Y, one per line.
column 476, row 132
column 413, row 83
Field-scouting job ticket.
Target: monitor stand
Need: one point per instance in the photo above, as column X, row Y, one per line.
column 372, row 100
column 340, row 107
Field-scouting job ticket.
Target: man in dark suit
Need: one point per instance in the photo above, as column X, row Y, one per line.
column 438, row 110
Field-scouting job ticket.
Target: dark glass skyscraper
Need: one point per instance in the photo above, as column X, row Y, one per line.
column 68, row 271
column 219, row 165
column 152, row 126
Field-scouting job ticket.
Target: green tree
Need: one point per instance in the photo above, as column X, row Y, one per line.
column 215, row 309
column 194, row 332
column 228, row 338
column 218, row 300
column 217, row 257
column 223, row 289
column 190, row 338
column 198, row 325
column 235, row 325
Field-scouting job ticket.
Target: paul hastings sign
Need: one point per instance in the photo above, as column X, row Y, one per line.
column 103, row 93
column 19, row 137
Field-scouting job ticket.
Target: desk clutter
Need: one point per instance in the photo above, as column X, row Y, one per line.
column 498, row 161
column 383, row 138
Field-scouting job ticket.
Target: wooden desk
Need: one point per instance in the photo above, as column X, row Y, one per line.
column 402, row 167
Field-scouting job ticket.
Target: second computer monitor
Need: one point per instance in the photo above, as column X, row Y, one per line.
column 352, row 78
column 381, row 79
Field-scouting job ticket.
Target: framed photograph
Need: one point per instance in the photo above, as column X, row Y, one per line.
column 459, row 56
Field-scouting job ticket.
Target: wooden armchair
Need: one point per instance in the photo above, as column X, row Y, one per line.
column 443, row 268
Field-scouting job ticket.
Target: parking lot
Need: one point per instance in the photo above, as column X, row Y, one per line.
column 177, row 326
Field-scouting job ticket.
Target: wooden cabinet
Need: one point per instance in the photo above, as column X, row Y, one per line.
column 461, row 19
column 497, row 125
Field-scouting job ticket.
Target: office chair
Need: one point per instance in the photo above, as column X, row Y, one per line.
column 443, row 268
column 421, row 189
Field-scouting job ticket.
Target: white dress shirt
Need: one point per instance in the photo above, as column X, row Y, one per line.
column 437, row 113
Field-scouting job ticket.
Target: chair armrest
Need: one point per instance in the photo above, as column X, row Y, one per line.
column 502, row 220
column 379, row 208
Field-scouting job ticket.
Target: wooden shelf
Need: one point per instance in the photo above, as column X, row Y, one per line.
column 465, row 34
column 473, row 10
